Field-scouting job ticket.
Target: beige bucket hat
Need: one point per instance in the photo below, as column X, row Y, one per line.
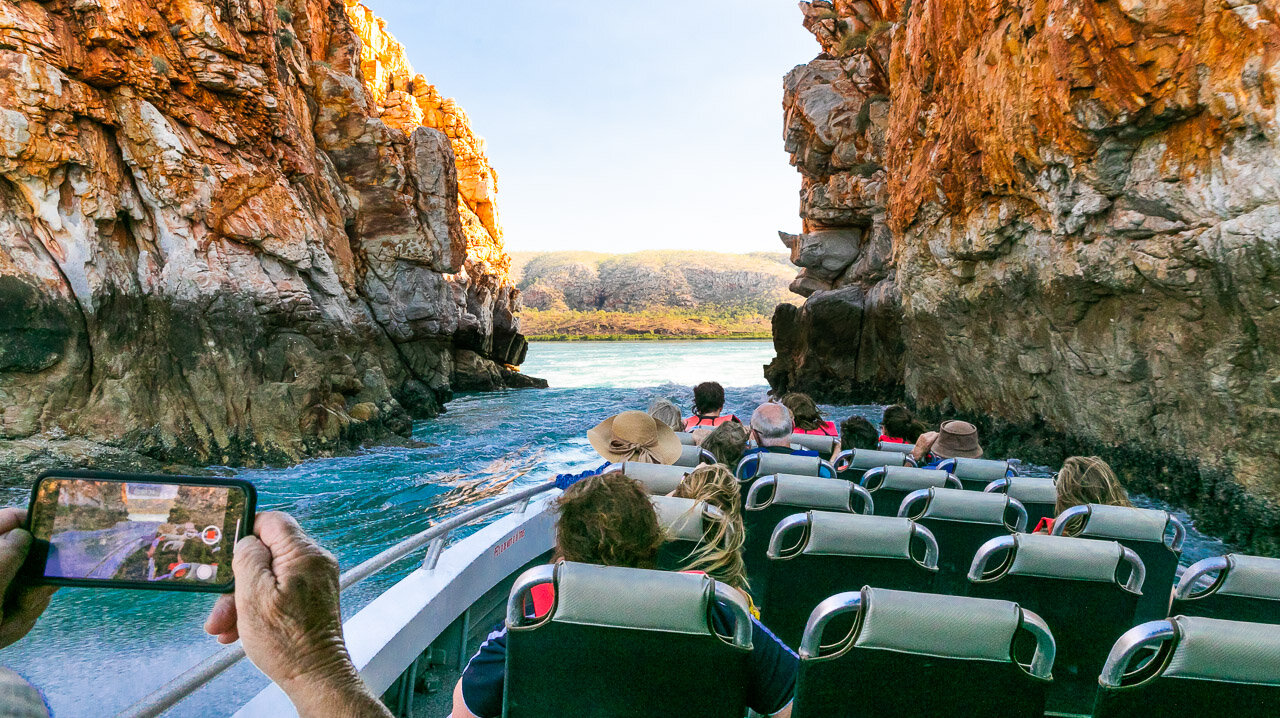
column 635, row 436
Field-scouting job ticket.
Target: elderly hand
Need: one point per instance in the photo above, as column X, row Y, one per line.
column 285, row 611
column 20, row 604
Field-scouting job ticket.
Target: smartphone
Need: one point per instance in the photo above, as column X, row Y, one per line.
column 172, row 533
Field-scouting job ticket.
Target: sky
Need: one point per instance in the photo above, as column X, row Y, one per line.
column 617, row 127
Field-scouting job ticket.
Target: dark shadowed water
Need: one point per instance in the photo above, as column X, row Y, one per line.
column 96, row 652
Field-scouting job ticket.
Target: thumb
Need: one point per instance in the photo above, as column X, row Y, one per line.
column 251, row 564
column 13, row 551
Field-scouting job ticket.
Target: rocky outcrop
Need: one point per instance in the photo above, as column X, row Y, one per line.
column 234, row 231
column 1068, row 217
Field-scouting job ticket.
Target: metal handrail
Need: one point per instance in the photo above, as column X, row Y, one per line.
column 200, row 674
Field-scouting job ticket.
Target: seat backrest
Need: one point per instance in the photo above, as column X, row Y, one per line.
column 922, row 654
column 692, row 456
column 817, row 554
column 658, row 479
column 773, row 498
column 853, row 463
column 684, row 523
column 617, row 638
column 1201, row 667
column 1156, row 536
column 889, row 485
column 686, row 438
column 766, row 462
column 962, row 521
column 897, row 446
column 1247, row 588
column 975, row 474
column 1085, row 589
column 824, row 445
column 1037, row 494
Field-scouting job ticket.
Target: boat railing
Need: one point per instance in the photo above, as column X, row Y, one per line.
column 434, row 538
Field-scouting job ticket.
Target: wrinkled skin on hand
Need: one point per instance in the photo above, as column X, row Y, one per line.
column 22, row 604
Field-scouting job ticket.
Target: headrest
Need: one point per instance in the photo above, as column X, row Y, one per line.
column 656, row 478
column 862, row 459
column 811, row 492
column 937, row 625
column 1252, row 576
column 771, row 463
column 965, row 506
column 680, row 519
column 895, row 446
column 815, row 442
column 1125, row 522
column 686, row 438
column 1032, row 489
column 839, row 534
column 632, row 598
column 1063, row 557
column 980, row 469
column 1215, row 650
column 909, row 478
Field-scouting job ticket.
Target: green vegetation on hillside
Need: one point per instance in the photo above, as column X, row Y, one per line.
column 568, row 325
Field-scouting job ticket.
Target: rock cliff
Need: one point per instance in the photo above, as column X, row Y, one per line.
column 1060, row 218
column 235, row 231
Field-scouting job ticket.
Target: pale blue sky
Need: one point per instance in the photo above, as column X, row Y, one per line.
column 649, row 124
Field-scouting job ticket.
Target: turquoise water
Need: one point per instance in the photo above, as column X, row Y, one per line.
column 95, row 652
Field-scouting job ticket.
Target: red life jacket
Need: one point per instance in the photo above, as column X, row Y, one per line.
column 893, row 439
column 704, row 422
column 828, row 428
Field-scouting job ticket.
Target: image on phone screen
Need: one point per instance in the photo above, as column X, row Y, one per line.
column 122, row 531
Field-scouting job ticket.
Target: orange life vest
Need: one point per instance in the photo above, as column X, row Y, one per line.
column 707, row 422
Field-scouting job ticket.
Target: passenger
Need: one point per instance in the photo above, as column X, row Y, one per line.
column 807, row 418
column 1084, row 480
column 900, row 426
column 727, row 442
column 667, row 413
column 708, row 403
column 858, row 433
column 720, row 555
column 608, row 520
column 635, row 436
column 771, row 428
column 284, row 612
column 953, row 440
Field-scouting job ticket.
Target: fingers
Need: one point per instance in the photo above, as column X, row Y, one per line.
column 251, row 564
column 278, row 530
column 11, row 519
column 222, row 619
column 23, row 608
column 14, row 545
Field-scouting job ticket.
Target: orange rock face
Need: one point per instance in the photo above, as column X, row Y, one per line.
column 235, row 231
column 1067, row 217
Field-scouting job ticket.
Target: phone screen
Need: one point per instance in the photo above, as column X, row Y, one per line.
column 145, row 532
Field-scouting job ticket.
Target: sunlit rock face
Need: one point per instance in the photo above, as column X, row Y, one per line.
column 1069, row 216
column 235, row 231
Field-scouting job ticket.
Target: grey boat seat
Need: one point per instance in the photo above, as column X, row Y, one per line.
column 1156, row 536
column 818, row 554
column 1200, row 667
column 1085, row 589
column 657, row 479
column 975, row 474
column 685, row 524
column 693, row 456
column 879, row 652
column 900, row 447
column 889, row 485
column 617, row 638
column 824, row 445
column 962, row 521
column 1245, row 588
column 1038, row 495
column 686, row 438
column 773, row 498
column 853, row 463
column 767, row 463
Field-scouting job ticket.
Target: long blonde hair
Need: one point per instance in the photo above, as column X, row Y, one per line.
column 1088, row 480
column 719, row 555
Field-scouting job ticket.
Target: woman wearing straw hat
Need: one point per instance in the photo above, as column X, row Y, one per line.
column 629, row 436
column 953, row 440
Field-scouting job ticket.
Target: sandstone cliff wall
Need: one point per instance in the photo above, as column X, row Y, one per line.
column 1061, row 215
column 235, row 231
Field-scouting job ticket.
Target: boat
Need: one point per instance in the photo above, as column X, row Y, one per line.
column 411, row 642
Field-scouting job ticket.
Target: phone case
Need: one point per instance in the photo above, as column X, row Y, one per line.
column 34, row 570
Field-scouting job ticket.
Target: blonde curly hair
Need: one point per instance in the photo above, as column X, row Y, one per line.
column 719, row 555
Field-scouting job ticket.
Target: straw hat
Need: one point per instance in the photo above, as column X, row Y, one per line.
column 635, row 436
column 957, row 440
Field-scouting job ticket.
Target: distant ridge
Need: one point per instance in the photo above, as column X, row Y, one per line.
column 650, row 294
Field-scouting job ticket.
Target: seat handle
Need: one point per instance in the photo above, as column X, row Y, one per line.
column 954, row 482
column 706, row 456
column 930, row 545
column 1138, row 574
column 910, row 499
column 868, row 503
column 869, row 474
column 839, row 604
column 999, row 486
column 732, row 600
column 535, row 576
column 1060, row 523
column 1134, row 641
column 1020, row 523
column 978, row 569
column 785, row 525
column 841, row 460
column 1046, row 648
column 753, row 494
column 1198, row 570
column 1179, row 534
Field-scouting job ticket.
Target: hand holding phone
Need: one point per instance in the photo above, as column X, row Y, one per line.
column 20, row 603
column 137, row 530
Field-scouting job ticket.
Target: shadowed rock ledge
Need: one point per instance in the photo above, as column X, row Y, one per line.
column 235, row 232
column 1060, row 219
